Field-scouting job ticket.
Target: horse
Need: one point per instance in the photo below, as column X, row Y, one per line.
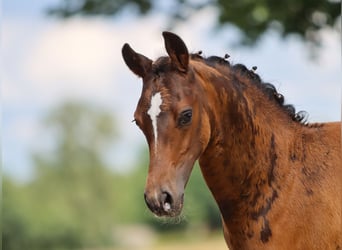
column 275, row 177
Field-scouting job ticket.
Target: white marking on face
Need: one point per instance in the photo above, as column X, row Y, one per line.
column 153, row 112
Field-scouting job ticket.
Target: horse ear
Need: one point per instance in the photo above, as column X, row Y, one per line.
column 139, row 64
column 177, row 51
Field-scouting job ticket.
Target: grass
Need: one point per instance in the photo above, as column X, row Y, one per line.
column 194, row 241
column 215, row 241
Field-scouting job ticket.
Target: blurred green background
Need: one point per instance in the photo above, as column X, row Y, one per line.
column 76, row 202
column 74, row 167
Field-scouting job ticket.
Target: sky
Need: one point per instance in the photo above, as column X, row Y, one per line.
column 46, row 61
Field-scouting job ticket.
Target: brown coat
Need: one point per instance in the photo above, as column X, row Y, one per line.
column 276, row 179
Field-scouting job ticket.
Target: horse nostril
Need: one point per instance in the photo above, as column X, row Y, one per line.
column 166, row 201
column 161, row 204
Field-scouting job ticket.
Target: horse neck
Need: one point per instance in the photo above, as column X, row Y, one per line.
column 246, row 132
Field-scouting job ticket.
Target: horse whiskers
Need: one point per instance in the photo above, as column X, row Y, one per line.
column 174, row 220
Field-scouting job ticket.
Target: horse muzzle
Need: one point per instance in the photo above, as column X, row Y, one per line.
column 164, row 203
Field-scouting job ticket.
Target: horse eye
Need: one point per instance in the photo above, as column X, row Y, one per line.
column 185, row 117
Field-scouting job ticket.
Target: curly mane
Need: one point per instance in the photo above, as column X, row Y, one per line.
column 268, row 89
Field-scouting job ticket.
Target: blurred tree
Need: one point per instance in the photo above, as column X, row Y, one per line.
column 302, row 17
column 14, row 226
column 71, row 203
column 75, row 201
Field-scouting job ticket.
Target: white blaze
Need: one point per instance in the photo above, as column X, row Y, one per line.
column 153, row 112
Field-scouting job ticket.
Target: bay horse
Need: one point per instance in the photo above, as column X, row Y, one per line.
column 275, row 178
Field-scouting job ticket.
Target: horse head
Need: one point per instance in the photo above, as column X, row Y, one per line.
column 170, row 115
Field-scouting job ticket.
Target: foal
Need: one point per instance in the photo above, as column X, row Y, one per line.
column 276, row 179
